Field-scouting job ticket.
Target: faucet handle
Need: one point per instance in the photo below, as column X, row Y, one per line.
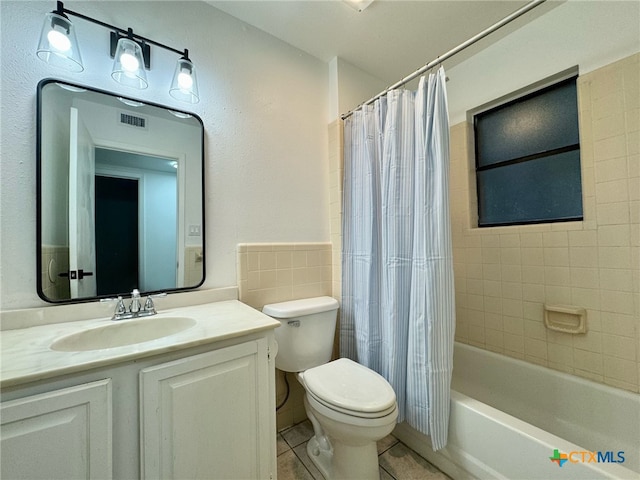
column 120, row 307
column 148, row 304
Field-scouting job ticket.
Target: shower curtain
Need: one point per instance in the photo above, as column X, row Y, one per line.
column 398, row 311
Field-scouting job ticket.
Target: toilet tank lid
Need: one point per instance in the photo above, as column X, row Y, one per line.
column 298, row 308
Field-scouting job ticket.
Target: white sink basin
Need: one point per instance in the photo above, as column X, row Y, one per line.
column 122, row 332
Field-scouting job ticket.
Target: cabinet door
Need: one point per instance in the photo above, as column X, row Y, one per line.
column 208, row 416
column 64, row 434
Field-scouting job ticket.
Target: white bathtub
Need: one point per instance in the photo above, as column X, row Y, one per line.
column 508, row 417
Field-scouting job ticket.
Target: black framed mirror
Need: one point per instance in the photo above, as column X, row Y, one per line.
column 120, row 187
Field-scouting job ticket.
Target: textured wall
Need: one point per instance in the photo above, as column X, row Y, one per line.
column 264, row 105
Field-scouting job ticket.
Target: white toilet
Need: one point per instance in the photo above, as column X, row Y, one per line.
column 350, row 406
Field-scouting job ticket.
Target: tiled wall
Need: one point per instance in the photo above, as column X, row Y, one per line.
column 277, row 272
column 336, row 170
column 193, row 265
column 505, row 275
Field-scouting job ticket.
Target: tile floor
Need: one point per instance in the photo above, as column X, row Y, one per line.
column 397, row 461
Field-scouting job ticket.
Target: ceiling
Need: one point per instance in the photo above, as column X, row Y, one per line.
column 390, row 39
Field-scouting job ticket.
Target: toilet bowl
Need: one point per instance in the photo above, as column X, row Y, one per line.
column 350, row 406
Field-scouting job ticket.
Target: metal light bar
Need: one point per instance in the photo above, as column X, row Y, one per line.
column 61, row 9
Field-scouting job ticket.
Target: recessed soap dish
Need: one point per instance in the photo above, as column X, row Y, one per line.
column 565, row 318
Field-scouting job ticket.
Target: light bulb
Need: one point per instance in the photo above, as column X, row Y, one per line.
column 184, row 85
column 58, row 45
column 184, row 80
column 59, row 40
column 129, row 61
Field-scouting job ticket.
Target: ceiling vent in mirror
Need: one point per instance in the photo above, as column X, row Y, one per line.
column 133, row 120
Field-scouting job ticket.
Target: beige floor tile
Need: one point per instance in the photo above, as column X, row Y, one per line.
column 281, row 445
column 404, row 464
column 397, row 461
column 386, row 443
column 384, row 475
column 298, row 434
column 301, row 453
column 291, row 468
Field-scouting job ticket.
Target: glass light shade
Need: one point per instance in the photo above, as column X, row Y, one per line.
column 58, row 45
column 128, row 65
column 184, row 86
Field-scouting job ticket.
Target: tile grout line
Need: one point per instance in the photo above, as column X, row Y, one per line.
column 387, row 472
column 305, row 467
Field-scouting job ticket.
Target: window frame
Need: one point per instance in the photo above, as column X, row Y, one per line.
column 532, row 91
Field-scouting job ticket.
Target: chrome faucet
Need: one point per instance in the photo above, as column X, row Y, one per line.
column 135, row 302
column 135, row 309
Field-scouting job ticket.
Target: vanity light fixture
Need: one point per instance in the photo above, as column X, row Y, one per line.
column 71, row 88
column 184, row 85
column 128, row 63
column 358, row 5
column 180, row 114
column 130, row 103
column 58, row 46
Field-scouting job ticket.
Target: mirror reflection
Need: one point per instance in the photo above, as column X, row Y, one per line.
column 120, row 195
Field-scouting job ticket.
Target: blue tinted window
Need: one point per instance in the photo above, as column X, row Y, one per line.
column 528, row 159
column 541, row 190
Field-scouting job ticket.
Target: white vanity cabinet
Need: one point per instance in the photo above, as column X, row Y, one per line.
column 198, row 404
column 206, row 416
column 206, row 412
column 64, row 433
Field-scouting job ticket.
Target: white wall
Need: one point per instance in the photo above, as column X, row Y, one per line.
column 55, row 133
column 589, row 34
column 264, row 105
column 349, row 87
column 159, row 262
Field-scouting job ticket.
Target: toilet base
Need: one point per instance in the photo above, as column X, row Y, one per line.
column 320, row 458
column 345, row 462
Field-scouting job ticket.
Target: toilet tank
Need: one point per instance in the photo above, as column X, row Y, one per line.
column 305, row 336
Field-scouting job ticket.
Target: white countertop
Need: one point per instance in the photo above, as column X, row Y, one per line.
column 26, row 354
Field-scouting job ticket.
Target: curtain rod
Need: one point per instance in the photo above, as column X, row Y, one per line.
column 450, row 53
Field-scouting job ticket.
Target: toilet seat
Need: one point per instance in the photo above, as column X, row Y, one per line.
column 350, row 388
